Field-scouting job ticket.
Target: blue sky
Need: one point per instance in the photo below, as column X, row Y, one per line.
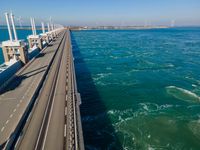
column 106, row 12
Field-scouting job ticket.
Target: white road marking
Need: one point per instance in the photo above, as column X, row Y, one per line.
column 9, row 98
column 65, row 132
column 65, row 111
column 26, row 93
column 7, row 121
column 2, row 129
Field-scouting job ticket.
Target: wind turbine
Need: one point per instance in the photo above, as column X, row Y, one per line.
column 20, row 21
column 145, row 23
column 172, row 23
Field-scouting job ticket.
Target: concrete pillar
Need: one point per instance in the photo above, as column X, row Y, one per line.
column 35, row 40
column 8, row 25
column 6, row 51
column 45, row 38
column 23, row 54
column 15, row 50
column 43, row 28
column 13, row 25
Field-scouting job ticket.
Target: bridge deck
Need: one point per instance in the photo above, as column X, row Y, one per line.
column 40, row 123
column 18, row 94
column 46, row 91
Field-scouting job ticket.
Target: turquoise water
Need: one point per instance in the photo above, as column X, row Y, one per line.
column 140, row 88
column 22, row 35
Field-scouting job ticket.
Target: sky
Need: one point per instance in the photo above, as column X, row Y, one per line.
column 105, row 12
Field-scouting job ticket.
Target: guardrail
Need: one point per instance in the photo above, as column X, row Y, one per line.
column 74, row 139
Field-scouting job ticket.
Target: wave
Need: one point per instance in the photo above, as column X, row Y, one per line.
column 114, row 57
column 183, row 94
column 108, row 68
column 194, row 127
column 120, row 116
column 138, row 126
column 193, row 80
column 194, row 85
column 144, row 109
column 155, row 67
column 152, row 107
column 140, row 130
column 100, row 76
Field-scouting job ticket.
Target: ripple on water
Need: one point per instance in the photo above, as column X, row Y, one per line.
column 102, row 75
column 159, row 131
column 183, row 94
column 144, row 58
column 194, row 126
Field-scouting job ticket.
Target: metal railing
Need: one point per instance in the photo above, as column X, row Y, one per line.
column 74, row 139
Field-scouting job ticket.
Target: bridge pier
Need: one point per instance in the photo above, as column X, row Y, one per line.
column 34, row 39
column 14, row 49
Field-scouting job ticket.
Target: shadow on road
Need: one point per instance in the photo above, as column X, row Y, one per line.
column 95, row 120
column 18, row 79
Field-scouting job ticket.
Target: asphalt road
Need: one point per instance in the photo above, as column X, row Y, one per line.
column 56, row 128
column 46, row 127
column 17, row 95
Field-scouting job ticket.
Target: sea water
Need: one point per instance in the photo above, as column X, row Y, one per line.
column 140, row 89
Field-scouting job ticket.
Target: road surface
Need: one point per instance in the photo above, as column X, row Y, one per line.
column 18, row 94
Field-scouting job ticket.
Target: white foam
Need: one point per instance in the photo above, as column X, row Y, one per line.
column 182, row 94
column 109, row 68
column 152, row 107
column 111, row 112
column 194, row 85
column 194, row 126
column 114, row 57
column 149, row 136
column 150, row 148
column 145, row 107
column 124, row 116
column 170, row 65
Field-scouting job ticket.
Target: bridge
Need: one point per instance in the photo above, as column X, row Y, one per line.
column 39, row 106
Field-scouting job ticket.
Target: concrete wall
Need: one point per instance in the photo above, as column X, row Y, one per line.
column 33, row 53
column 9, row 72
